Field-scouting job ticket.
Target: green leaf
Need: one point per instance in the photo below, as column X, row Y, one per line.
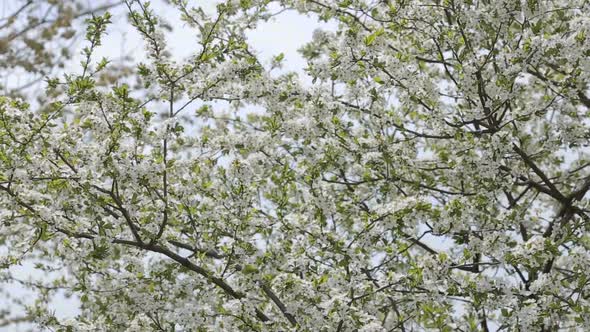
column 250, row 269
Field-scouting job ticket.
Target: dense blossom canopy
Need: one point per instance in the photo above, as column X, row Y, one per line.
column 433, row 175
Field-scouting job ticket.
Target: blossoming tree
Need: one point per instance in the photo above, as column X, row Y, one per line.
column 37, row 37
column 433, row 176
